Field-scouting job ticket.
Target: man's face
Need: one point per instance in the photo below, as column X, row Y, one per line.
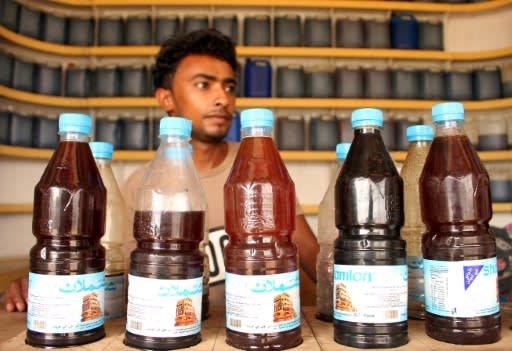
column 203, row 90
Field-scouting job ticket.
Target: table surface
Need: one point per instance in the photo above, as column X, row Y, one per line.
column 317, row 335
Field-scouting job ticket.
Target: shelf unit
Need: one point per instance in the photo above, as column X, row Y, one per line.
column 340, row 4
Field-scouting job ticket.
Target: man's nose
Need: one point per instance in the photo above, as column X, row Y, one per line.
column 221, row 96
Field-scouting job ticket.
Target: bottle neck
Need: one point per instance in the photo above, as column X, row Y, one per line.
column 445, row 128
column 256, row 132
column 367, row 130
column 174, row 140
column 74, row 136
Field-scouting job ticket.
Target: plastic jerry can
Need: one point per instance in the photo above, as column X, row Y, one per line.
column 257, row 78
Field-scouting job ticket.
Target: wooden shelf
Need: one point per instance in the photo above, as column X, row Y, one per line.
column 135, row 155
column 301, row 103
column 340, row 4
column 497, row 207
column 309, row 209
column 259, row 51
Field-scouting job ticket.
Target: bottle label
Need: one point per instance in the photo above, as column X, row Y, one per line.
column 416, row 285
column 370, row 294
column 262, row 303
column 164, row 307
column 461, row 288
column 65, row 303
column 114, row 296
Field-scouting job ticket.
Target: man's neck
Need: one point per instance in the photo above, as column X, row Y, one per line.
column 207, row 156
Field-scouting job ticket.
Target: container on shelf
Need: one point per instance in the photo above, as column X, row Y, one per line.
column 320, row 83
column 317, row 31
column 133, row 81
column 323, row 133
column 80, row 31
column 7, row 64
column 345, row 131
column 430, row 35
column 257, row 30
column 377, row 33
column 134, row 133
column 53, row 28
column 472, row 128
column 137, row 31
column 492, row 132
column 291, row 132
column 349, row 82
column 377, row 83
column 23, row 75
column 106, row 81
column 166, row 27
column 29, row 22
column 486, row 83
column 349, row 33
column 5, row 119
column 388, row 134
column 401, row 125
column 257, row 78
column 155, row 132
column 459, row 85
column 431, row 85
column 20, row 129
column 506, row 80
column 404, row 84
column 287, row 30
column 110, row 31
column 227, row 25
column 404, row 31
column 9, row 14
column 48, row 81
column 78, row 81
column 290, row 81
column 234, row 129
column 500, row 174
column 45, row 132
column 192, row 23
column 107, row 129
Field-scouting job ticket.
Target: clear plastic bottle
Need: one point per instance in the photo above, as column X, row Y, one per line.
column 67, row 263
column 419, row 137
column 370, row 270
column 459, row 251
column 116, row 229
column 327, row 233
column 262, row 267
column 166, row 269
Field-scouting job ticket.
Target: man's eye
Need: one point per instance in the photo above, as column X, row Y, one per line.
column 202, row 85
column 230, row 89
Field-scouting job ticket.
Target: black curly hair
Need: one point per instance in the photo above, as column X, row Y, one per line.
column 208, row 42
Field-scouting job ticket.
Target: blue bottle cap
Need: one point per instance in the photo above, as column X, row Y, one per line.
column 448, row 111
column 367, row 117
column 101, row 149
column 420, row 132
column 175, row 126
column 75, row 123
column 342, row 150
column 257, row 117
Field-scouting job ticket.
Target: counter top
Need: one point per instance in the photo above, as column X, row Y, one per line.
column 317, row 335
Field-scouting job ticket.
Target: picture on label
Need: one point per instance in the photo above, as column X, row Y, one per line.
column 343, row 300
column 90, row 307
column 185, row 313
column 283, row 308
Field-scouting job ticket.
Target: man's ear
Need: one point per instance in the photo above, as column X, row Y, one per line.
column 165, row 99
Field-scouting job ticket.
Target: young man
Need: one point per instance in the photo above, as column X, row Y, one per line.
column 195, row 77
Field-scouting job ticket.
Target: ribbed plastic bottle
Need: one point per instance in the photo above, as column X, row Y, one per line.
column 419, row 137
column 166, row 268
column 262, row 267
column 459, row 251
column 116, row 229
column 327, row 233
column 66, row 278
column 370, row 270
